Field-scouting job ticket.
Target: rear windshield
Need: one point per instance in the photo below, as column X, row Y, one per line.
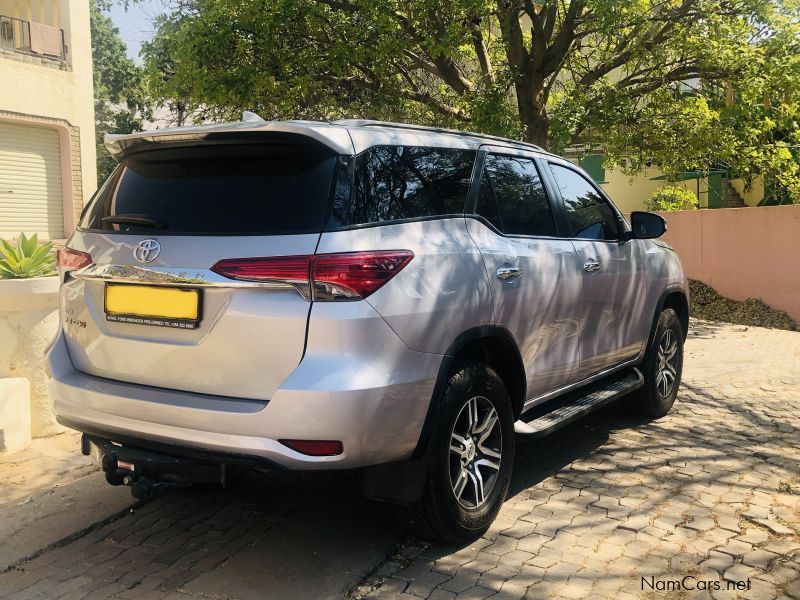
column 217, row 190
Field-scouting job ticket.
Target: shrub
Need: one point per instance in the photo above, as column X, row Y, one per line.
column 27, row 260
column 672, row 197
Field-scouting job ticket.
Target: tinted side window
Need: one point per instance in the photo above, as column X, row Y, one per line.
column 403, row 182
column 588, row 214
column 512, row 197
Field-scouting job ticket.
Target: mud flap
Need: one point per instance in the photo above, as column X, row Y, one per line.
column 400, row 482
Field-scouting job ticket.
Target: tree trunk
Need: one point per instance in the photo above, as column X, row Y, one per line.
column 537, row 130
column 531, row 103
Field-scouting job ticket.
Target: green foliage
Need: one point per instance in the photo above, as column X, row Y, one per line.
column 786, row 487
column 644, row 79
column 122, row 101
column 672, row 197
column 28, row 259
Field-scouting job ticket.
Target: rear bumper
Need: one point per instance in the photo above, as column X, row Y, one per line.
column 129, row 459
column 372, row 394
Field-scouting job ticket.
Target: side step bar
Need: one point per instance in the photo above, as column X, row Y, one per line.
column 544, row 423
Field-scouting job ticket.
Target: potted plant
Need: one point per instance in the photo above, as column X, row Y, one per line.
column 27, row 260
column 28, row 320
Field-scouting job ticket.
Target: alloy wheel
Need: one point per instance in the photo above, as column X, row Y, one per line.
column 667, row 363
column 475, row 452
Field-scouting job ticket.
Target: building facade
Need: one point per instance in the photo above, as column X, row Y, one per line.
column 47, row 135
column 715, row 188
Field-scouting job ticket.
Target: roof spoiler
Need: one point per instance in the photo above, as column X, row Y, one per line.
column 334, row 137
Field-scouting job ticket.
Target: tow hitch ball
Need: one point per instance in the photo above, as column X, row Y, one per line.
column 119, row 472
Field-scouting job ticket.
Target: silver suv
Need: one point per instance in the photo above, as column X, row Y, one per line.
column 402, row 300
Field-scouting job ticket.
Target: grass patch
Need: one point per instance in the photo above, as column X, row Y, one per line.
column 793, row 489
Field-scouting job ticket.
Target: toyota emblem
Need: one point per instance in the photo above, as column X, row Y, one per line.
column 147, row 250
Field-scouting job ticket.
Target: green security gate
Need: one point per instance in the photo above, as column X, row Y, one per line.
column 593, row 165
column 714, row 185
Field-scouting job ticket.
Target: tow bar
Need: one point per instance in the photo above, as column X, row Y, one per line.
column 145, row 471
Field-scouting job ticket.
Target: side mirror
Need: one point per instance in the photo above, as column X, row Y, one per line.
column 647, row 225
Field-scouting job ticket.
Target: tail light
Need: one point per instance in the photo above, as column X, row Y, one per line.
column 340, row 276
column 281, row 270
column 355, row 275
column 70, row 260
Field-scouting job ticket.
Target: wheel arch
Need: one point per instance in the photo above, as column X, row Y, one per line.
column 674, row 297
column 492, row 345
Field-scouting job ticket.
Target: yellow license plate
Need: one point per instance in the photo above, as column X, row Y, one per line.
column 151, row 305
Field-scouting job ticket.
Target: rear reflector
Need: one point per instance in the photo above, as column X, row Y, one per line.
column 315, row 447
column 340, row 276
column 69, row 259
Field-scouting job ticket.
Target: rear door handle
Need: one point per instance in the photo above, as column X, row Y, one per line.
column 508, row 273
column 592, row 265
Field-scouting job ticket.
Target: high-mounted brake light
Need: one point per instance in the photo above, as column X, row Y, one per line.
column 339, row 276
column 70, row 260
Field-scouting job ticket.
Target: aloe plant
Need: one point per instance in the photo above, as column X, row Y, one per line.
column 27, row 260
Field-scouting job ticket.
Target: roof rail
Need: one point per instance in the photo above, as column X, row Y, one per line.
column 372, row 123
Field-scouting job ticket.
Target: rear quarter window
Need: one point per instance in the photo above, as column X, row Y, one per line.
column 389, row 183
column 218, row 190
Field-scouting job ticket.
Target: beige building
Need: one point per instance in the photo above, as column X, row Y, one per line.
column 713, row 189
column 47, row 145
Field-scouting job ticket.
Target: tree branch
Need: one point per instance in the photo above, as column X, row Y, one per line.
column 480, row 50
column 420, row 63
column 564, row 38
column 516, row 54
column 444, row 67
column 660, row 27
column 417, row 95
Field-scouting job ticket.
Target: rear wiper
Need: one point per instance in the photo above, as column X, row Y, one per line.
column 131, row 219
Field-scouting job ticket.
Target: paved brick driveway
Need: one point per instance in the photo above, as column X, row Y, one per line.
column 600, row 506
column 705, row 493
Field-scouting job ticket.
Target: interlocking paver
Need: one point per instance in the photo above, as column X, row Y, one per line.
column 693, row 493
column 592, row 509
column 424, row 584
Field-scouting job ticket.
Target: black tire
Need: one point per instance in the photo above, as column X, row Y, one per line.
column 655, row 398
column 440, row 515
column 114, row 477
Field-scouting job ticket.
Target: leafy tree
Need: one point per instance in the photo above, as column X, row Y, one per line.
column 671, row 197
column 164, row 77
column 121, row 101
column 649, row 79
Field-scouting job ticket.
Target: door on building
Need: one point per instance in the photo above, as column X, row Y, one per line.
column 31, row 192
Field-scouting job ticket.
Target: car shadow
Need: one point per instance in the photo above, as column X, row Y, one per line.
column 538, row 460
column 301, row 535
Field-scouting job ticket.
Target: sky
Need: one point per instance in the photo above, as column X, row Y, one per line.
column 136, row 24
